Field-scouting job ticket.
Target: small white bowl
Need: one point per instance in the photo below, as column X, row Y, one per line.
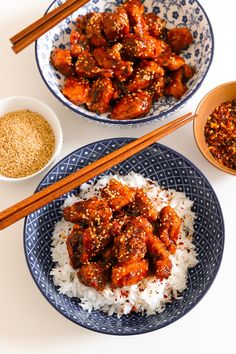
column 11, row 104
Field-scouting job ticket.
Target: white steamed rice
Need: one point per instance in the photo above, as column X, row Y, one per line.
column 150, row 295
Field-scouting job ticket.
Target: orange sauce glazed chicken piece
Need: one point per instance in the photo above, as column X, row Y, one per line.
column 156, row 25
column 117, row 194
column 133, row 105
column 78, row 43
column 124, row 52
column 77, row 90
column 93, row 30
column 118, row 239
column 135, row 11
column 100, row 95
column 169, row 227
column 62, row 61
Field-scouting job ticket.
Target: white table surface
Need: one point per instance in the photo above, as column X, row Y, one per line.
column 28, row 323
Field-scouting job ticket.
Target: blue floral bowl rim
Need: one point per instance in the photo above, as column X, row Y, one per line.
column 141, row 121
column 186, row 310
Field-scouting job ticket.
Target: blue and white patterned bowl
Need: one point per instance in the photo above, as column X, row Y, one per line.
column 171, row 170
column 177, row 13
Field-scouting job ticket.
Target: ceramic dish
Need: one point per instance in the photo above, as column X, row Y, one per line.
column 177, row 13
column 217, row 96
column 15, row 103
column 171, row 170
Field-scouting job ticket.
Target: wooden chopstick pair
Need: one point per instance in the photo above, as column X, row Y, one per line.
column 44, row 24
column 48, row 194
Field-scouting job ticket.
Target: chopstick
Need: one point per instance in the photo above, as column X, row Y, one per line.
column 48, row 194
column 28, row 35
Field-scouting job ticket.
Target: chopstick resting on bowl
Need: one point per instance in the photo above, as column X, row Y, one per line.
column 28, row 35
column 48, row 194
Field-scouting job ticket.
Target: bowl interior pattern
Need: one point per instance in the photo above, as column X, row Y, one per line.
column 177, row 13
column 171, row 170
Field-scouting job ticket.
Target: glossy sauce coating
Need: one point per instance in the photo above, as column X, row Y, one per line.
column 120, row 238
column 128, row 58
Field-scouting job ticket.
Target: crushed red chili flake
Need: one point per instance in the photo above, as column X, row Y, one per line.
column 220, row 134
column 125, row 293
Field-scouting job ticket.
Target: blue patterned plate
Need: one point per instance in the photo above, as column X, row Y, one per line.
column 171, row 170
column 177, row 13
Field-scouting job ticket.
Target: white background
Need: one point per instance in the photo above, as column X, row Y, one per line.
column 28, row 324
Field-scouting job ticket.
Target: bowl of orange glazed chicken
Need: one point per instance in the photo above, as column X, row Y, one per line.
column 127, row 62
column 132, row 250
